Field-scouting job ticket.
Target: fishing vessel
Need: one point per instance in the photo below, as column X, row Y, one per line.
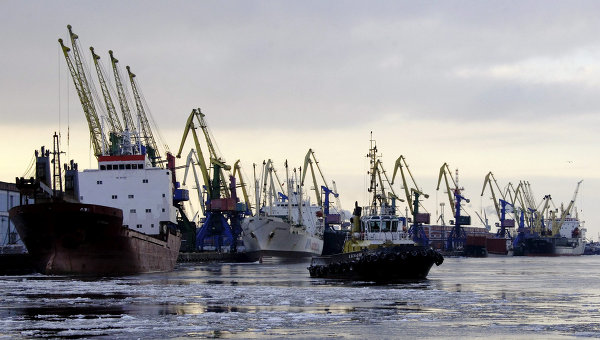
column 380, row 248
column 117, row 219
column 285, row 225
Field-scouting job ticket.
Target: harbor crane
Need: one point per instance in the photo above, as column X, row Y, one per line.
column 123, row 103
column 113, row 118
column 145, row 130
column 310, row 161
column 77, row 70
column 566, row 212
column 490, row 181
column 416, row 229
column 223, row 212
column 458, row 237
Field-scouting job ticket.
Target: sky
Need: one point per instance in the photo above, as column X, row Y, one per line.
column 504, row 86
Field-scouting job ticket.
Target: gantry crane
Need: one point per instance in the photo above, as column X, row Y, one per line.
column 416, row 229
column 78, row 75
column 457, row 238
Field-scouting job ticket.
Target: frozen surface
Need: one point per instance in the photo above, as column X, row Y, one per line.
column 502, row 297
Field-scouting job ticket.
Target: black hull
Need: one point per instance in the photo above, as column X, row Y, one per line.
column 86, row 239
column 534, row 246
column 383, row 265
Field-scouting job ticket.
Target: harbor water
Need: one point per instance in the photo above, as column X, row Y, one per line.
column 466, row 298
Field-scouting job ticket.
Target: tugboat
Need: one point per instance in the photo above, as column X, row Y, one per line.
column 380, row 248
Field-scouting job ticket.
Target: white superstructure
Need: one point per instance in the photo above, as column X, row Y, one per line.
column 130, row 183
column 287, row 228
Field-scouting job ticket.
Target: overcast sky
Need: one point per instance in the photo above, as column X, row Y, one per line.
column 509, row 87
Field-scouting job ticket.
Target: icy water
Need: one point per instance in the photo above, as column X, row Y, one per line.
column 464, row 298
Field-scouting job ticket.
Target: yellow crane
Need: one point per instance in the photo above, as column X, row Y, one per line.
column 189, row 126
column 77, row 71
column 237, row 170
column 113, row 118
column 566, row 212
column 309, row 160
column 408, row 192
column 125, row 111
column 446, row 173
column 145, row 130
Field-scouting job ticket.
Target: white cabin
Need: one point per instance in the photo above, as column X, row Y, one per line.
column 130, row 183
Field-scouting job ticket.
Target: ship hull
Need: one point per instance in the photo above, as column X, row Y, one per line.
column 385, row 264
column 88, row 239
column 272, row 236
column 550, row 246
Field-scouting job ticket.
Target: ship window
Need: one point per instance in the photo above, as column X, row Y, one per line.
column 121, row 166
column 374, row 226
column 102, row 167
column 109, row 167
column 163, row 209
column 127, row 166
column 130, row 196
column 144, row 181
column 114, row 197
column 152, row 225
column 140, row 166
column 139, row 226
column 386, row 226
column 134, row 166
column 164, row 195
column 98, row 182
column 132, row 211
column 148, row 210
column 394, row 226
column 126, row 225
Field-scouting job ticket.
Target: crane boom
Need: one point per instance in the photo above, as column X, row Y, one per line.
column 214, row 157
column 238, row 170
column 488, row 182
column 566, row 212
column 309, row 160
column 97, row 138
column 400, row 164
column 146, row 130
column 189, row 126
column 445, row 172
column 113, row 118
column 125, row 112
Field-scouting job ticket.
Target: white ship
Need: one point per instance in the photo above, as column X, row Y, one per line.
column 572, row 238
column 286, row 226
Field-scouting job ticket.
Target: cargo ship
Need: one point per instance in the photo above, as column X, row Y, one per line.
column 569, row 241
column 290, row 228
column 117, row 219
